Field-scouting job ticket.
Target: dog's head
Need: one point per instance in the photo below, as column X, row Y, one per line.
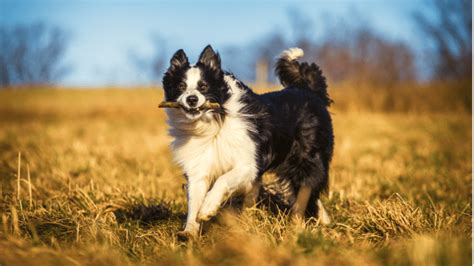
column 193, row 85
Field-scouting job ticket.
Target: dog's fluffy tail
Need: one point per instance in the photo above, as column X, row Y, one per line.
column 303, row 75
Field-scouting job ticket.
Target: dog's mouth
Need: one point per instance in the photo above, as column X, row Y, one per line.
column 194, row 113
column 191, row 111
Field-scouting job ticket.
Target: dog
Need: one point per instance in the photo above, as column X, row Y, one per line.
column 226, row 151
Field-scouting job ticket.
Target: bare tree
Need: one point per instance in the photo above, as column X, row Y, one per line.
column 266, row 49
column 302, row 30
column 353, row 52
column 32, row 54
column 273, row 43
column 360, row 54
column 449, row 30
column 151, row 68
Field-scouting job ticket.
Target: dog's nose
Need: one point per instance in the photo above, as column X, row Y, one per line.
column 192, row 100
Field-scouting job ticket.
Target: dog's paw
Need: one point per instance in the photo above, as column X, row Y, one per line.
column 323, row 215
column 206, row 212
column 186, row 236
column 205, row 216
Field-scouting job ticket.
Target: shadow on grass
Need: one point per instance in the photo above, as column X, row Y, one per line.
column 148, row 214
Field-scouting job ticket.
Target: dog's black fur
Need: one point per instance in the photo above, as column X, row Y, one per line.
column 295, row 134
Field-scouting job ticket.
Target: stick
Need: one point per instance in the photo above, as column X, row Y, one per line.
column 207, row 105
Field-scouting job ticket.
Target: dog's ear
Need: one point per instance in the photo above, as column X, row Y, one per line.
column 209, row 58
column 178, row 60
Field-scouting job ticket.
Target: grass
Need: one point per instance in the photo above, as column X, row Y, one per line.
column 95, row 185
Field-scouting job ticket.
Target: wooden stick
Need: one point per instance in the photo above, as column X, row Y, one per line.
column 207, row 105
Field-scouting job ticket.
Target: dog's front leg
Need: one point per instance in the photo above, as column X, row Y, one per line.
column 197, row 189
column 239, row 178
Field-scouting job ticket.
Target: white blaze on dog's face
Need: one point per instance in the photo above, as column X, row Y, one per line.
column 191, row 99
column 193, row 86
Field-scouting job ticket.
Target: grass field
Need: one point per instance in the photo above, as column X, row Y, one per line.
column 97, row 186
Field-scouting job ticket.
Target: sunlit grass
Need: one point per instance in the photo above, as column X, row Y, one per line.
column 104, row 189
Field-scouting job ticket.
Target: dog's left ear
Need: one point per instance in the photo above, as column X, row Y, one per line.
column 179, row 60
column 210, row 59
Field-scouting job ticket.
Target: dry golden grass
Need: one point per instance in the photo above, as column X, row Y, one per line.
column 104, row 190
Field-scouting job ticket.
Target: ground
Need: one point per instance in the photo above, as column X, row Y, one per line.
column 98, row 186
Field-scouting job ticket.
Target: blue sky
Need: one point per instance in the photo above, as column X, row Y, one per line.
column 103, row 32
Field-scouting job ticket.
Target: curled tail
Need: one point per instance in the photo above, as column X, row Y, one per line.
column 303, row 75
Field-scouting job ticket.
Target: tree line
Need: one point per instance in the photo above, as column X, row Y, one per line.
column 35, row 54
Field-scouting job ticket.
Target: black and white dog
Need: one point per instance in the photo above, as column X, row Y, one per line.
column 226, row 151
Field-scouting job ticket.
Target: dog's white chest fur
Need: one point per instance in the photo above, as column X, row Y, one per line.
column 208, row 149
column 213, row 155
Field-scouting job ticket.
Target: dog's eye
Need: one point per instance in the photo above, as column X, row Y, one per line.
column 203, row 87
column 182, row 86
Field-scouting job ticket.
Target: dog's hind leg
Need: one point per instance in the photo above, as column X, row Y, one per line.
column 323, row 216
column 316, row 209
column 299, row 206
column 250, row 198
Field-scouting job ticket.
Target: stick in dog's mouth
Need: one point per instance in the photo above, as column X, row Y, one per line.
column 207, row 105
